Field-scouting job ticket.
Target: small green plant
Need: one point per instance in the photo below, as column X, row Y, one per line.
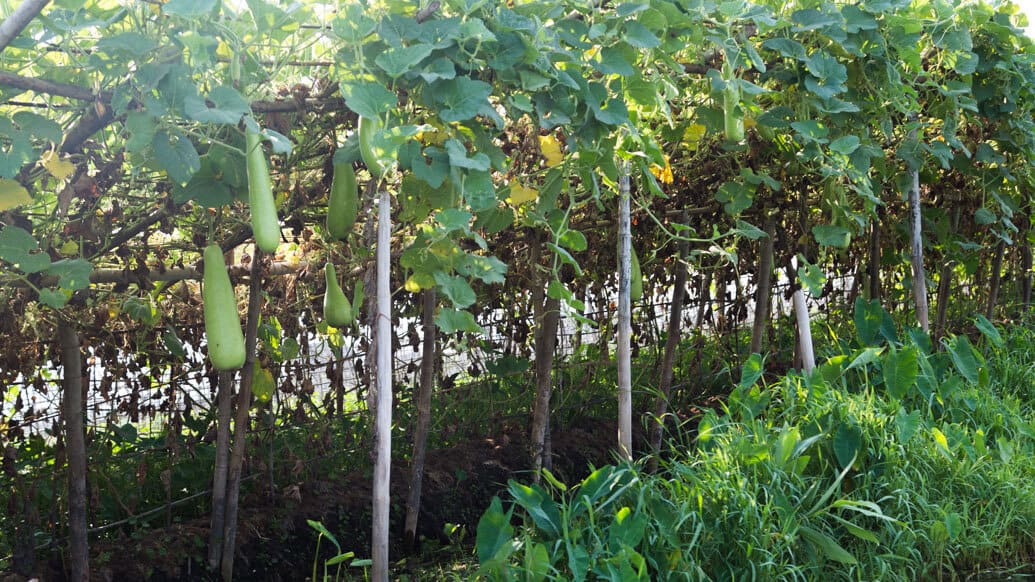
column 335, row 561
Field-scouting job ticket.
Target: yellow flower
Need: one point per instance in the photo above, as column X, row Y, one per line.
column 551, row 149
column 663, row 174
column 520, row 194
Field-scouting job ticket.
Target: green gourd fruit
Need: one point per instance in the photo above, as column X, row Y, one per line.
column 336, row 309
column 367, row 129
column 343, row 203
column 733, row 120
column 222, row 324
column 265, row 225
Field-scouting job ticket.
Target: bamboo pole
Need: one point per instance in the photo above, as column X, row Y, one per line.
column 624, row 350
column 383, row 399
column 801, row 312
column 917, row 251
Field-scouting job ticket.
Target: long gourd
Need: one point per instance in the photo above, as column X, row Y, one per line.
column 343, row 202
column 222, row 324
column 336, row 309
column 265, row 225
column 367, row 128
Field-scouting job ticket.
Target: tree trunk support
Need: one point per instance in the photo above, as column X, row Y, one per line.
column 241, row 418
column 224, row 387
column 995, row 279
column 420, row 433
column 762, row 296
column 75, row 441
column 668, row 360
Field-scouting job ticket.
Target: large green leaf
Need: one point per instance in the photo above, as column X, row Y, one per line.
column 831, row 235
column 401, row 60
column 494, row 531
column 900, row 369
column 539, row 506
column 20, row 249
column 460, row 99
column 847, row 443
column 368, row 99
column 966, row 359
column 175, row 152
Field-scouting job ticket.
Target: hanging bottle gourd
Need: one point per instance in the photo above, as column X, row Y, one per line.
column 265, row 225
column 343, row 202
column 336, row 308
column 222, row 324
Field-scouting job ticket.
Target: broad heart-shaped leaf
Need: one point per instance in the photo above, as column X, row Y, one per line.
column 458, row 157
column 368, row 99
column 735, row 197
column 451, row 321
column 751, row 371
column 459, row 99
column 352, row 24
column 72, row 274
column 488, row 269
column 399, row 61
column 176, row 153
column 539, row 506
column 53, row 298
column 966, row 359
column 640, row 36
column 20, row 249
column 189, row 8
column 830, row 235
column 37, row 126
column 847, row 443
column 813, row 278
column 494, row 531
column 826, row 68
column 906, row 424
column 988, row 329
column 457, row 289
column 900, row 369
column 787, row 47
column 868, row 317
column 228, row 109
column 131, row 44
column 12, row 194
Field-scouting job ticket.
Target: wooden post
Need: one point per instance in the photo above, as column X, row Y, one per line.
column 383, row 399
column 668, row 360
column 874, row 262
column 1026, row 271
column 624, row 349
column 762, row 295
column 420, row 433
column 944, row 288
column 215, row 532
column 548, row 315
column 241, row 418
column 995, row 279
column 75, row 441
